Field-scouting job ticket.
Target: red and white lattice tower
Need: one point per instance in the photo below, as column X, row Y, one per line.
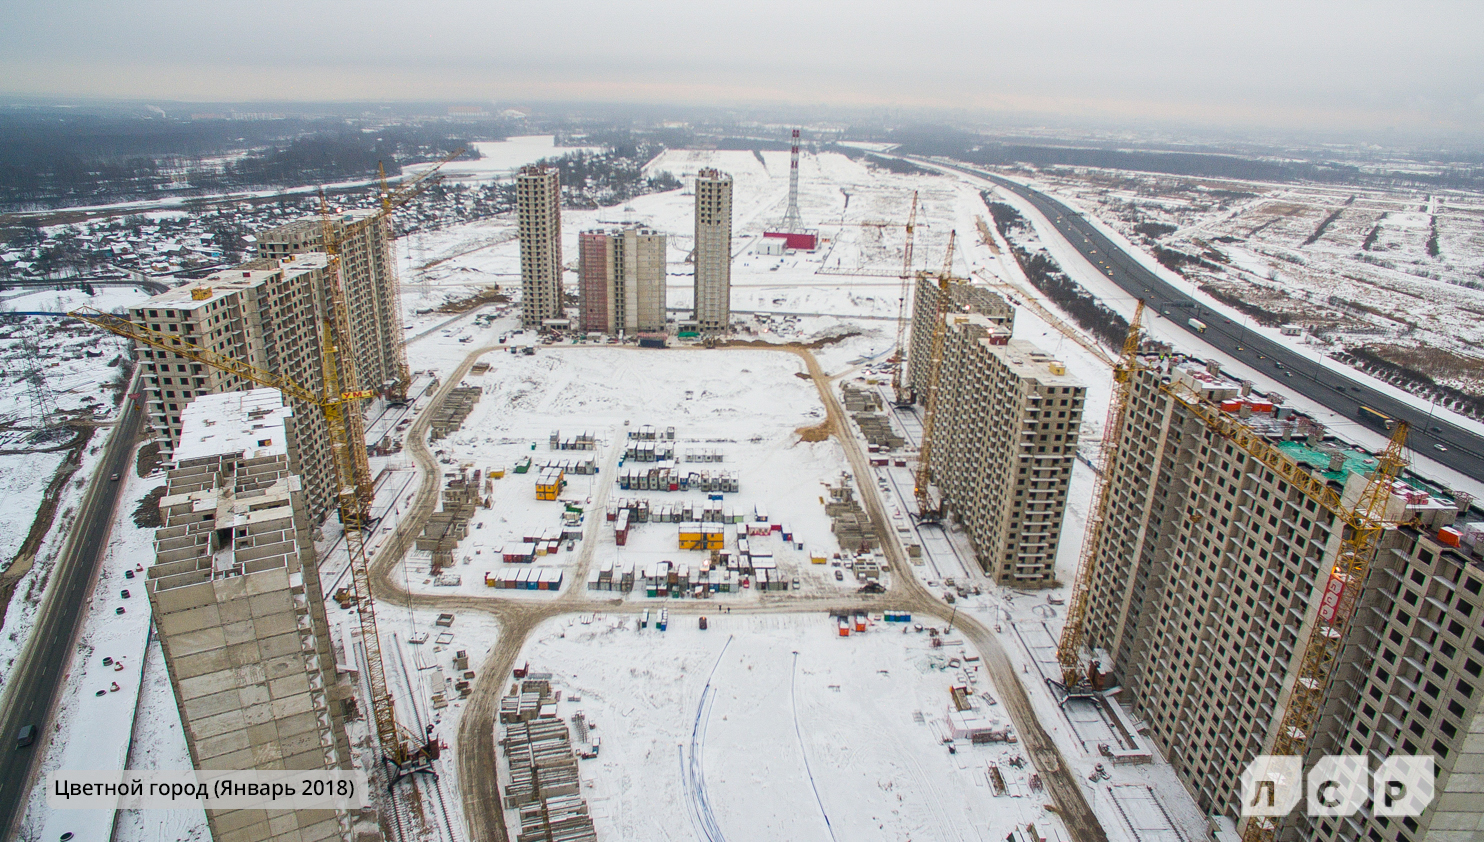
column 792, row 222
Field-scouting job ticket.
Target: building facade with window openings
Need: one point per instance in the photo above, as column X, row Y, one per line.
column 713, row 251
column 622, row 280
column 1208, row 581
column 1004, row 441
column 237, row 602
column 266, row 317
column 538, row 207
column 366, row 275
column 963, row 298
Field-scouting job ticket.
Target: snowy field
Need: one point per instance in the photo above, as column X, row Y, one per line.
column 777, row 728
column 1397, row 270
column 746, row 404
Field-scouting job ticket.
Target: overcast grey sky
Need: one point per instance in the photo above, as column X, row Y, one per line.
column 1357, row 65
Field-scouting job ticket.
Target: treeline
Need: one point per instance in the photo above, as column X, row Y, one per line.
column 1413, row 381
column 1047, row 276
column 977, row 149
column 50, row 160
column 594, row 179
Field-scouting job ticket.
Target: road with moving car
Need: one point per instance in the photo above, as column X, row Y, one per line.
column 31, row 690
column 1441, row 441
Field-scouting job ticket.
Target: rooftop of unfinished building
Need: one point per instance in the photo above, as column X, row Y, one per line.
column 618, row 228
column 249, row 423
column 314, row 225
column 1028, row 360
column 219, row 284
column 1267, row 416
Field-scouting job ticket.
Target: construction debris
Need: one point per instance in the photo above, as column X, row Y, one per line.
column 450, row 415
column 544, row 788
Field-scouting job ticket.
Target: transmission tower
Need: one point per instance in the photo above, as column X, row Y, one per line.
column 792, row 222
column 43, row 405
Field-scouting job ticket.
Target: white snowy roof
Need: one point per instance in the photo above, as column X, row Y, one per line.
column 250, row 423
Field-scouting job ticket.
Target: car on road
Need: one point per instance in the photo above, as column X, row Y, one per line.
column 25, row 736
column 1440, row 448
column 114, row 478
column 839, row 576
column 1240, row 348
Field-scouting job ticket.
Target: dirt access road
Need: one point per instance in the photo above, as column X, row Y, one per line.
column 477, row 759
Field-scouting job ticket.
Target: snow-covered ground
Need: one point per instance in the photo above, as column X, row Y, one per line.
column 95, row 720
column 498, row 158
column 790, row 701
column 746, row 404
column 775, row 727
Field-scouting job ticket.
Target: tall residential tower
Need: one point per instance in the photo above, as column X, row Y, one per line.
column 713, row 255
column 366, row 276
column 538, row 204
column 236, row 598
column 1211, row 574
column 622, row 274
column 269, row 318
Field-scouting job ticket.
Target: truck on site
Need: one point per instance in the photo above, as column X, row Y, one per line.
column 1197, row 325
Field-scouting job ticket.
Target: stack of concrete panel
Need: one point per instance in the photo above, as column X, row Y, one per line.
column 544, row 787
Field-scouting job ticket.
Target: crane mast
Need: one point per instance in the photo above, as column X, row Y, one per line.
column 404, row 753
column 1069, row 647
column 900, row 390
column 929, row 501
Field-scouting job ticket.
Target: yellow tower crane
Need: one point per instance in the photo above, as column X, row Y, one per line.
column 948, row 258
column 900, row 389
column 1362, row 523
column 392, row 198
column 1069, row 649
column 403, row 751
column 929, row 500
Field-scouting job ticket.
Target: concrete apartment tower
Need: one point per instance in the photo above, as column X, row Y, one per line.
column 962, row 298
column 366, row 274
column 239, row 610
column 622, row 280
column 1209, row 580
column 1005, row 440
column 538, row 205
column 713, row 255
column 267, row 317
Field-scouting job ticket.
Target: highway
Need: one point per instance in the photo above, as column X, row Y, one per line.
column 1441, row 441
column 31, row 691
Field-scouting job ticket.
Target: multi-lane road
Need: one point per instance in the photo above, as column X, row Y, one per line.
column 1434, row 437
column 31, row 691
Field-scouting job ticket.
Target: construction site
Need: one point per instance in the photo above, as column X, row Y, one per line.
column 512, row 584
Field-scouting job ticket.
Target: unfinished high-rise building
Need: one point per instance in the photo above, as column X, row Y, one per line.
column 963, row 297
column 538, row 208
column 622, row 280
column 1004, row 441
column 713, row 251
column 237, row 603
column 1209, row 578
column 374, row 314
column 266, row 317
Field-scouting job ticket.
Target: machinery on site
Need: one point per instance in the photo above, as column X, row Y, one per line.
column 404, row 752
column 901, row 391
column 1363, row 523
column 1078, row 681
column 929, row 498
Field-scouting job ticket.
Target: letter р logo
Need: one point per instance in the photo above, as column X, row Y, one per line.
column 1272, row 785
column 1403, row 785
